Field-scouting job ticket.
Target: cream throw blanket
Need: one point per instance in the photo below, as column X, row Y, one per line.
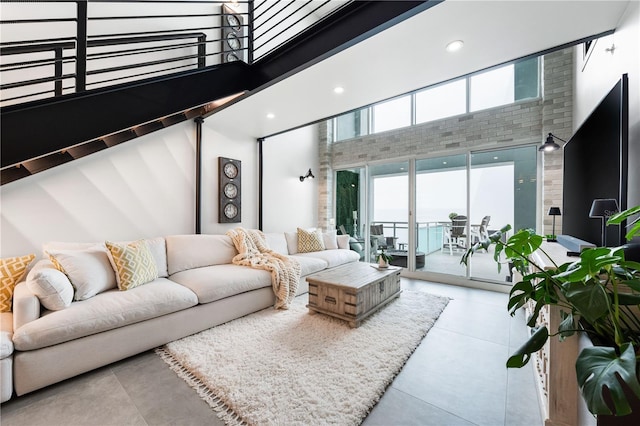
column 253, row 251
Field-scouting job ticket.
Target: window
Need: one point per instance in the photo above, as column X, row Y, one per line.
column 392, row 114
column 352, row 125
column 441, row 101
column 499, row 86
column 491, row 88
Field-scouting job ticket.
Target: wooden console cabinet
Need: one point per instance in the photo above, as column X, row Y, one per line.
column 555, row 362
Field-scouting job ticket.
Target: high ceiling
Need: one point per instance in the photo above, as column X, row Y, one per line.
column 412, row 54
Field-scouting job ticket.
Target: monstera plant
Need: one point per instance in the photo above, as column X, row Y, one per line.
column 598, row 294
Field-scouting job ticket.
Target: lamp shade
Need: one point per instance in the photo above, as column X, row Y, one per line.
column 549, row 144
column 554, row 211
column 603, row 207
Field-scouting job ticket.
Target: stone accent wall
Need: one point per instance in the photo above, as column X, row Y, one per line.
column 525, row 122
column 557, row 118
column 325, row 177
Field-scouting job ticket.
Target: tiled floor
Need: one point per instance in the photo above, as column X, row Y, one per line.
column 457, row 376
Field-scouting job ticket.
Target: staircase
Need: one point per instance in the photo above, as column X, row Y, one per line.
column 43, row 133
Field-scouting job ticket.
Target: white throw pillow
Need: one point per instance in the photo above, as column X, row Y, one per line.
column 51, row 286
column 330, row 240
column 292, row 242
column 343, row 242
column 158, row 249
column 89, row 270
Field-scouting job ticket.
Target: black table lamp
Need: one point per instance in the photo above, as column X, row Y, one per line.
column 553, row 211
column 603, row 208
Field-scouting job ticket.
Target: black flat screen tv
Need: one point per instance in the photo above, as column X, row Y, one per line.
column 596, row 166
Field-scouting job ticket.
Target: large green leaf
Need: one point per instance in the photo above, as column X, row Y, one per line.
column 589, row 299
column 520, row 291
column 521, row 356
column 616, row 219
column 522, row 243
column 634, row 226
column 568, row 325
column 599, row 366
column 591, row 262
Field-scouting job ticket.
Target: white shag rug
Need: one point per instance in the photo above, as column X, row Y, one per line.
column 290, row 367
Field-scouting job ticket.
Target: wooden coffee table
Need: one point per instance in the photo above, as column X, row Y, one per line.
column 354, row 291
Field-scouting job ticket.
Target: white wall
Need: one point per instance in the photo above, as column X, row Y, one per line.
column 141, row 188
column 214, row 145
column 601, row 73
column 287, row 202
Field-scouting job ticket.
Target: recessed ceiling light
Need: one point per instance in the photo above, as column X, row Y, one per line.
column 455, row 46
column 495, row 158
column 271, row 116
column 444, row 162
column 338, row 90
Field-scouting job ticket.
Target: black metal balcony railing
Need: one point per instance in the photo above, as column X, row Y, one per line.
column 51, row 48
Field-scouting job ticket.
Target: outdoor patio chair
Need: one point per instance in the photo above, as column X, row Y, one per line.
column 455, row 237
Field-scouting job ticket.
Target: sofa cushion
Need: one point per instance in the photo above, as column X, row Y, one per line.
column 89, row 270
column 157, row 246
column 53, row 288
column 330, row 240
column 292, row 242
column 158, row 249
column 332, row 257
column 6, row 334
column 310, row 265
column 133, row 262
column 277, row 242
column 195, row 251
column 309, row 241
column 11, row 271
column 106, row 311
column 343, row 241
column 216, row 282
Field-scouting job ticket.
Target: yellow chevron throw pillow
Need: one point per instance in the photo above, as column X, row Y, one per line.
column 12, row 269
column 133, row 263
column 309, row 241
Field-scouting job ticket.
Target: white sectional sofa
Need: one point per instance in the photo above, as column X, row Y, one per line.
column 198, row 287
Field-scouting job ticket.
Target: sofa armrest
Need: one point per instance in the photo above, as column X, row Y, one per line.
column 26, row 306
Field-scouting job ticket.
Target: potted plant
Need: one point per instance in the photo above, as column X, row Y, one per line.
column 598, row 294
column 383, row 258
column 452, row 215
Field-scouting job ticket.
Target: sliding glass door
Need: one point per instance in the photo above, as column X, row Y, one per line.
column 350, row 208
column 503, row 187
column 441, row 214
column 389, row 211
column 457, row 199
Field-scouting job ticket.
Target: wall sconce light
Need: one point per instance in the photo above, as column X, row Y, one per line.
column 553, row 211
column 551, row 145
column 308, row 175
column 603, row 208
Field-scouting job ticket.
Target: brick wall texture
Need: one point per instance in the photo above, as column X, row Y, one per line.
column 523, row 123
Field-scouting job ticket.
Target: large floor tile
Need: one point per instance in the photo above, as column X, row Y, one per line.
column 478, row 320
column 400, row 409
column 523, row 403
column 462, row 375
column 161, row 397
column 95, row 398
